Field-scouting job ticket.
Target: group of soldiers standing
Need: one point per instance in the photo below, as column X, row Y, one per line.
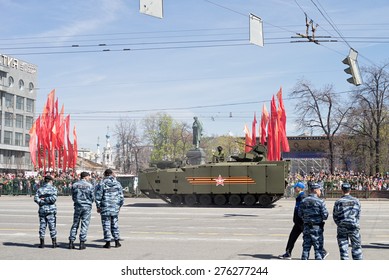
column 108, row 196
column 309, row 218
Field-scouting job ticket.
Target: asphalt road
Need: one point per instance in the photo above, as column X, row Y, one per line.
column 153, row 230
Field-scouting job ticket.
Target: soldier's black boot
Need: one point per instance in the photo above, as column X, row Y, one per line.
column 71, row 245
column 117, row 244
column 54, row 243
column 42, row 243
column 82, row 245
column 107, row 245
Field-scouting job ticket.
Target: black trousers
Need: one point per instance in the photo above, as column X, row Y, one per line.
column 294, row 234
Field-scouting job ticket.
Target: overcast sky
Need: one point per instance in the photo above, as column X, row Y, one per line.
column 196, row 61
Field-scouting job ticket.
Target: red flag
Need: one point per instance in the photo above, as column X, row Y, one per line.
column 75, row 147
column 248, row 140
column 282, row 123
column 46, row 128
column 273, row 150
column 60, row 128
column 254, row 131
column 33, row 143
column 70, row 155
column 264, row 121
column 39, row 138
column 66, row 147
column 48, row 111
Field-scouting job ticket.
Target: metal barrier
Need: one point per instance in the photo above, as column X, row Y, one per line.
column 359, row 194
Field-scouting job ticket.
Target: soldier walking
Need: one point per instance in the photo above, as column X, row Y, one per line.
column 83, row 198
column 298, row 226
column 109, row 200
column 45, row 197
column 346, row 214
column 313, row 212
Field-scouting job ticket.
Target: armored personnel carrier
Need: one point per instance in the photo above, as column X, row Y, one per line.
column 248, row 180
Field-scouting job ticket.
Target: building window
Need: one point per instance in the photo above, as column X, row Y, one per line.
column 3, row 76
column 8, row 137
column 30, row 87
column 30, row 105
column 9, row 100
column 9, row 119
column 11, row 81
column 29, row 122
column 19, row 121
column 19, row 103
column 18, row 139
column 27, row 138
column 21, row 84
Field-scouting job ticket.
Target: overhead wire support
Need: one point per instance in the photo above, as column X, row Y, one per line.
column 312, row 39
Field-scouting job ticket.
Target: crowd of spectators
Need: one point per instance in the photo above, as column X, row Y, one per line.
column 333, row 182
column 20, row 184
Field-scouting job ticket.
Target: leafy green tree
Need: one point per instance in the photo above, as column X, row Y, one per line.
column 169, row 139
column 231, row 145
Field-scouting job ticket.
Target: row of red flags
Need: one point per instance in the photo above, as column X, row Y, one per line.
column 272, row 130
column 50, row 145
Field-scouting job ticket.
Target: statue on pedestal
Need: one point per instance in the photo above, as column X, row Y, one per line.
column 197, row 132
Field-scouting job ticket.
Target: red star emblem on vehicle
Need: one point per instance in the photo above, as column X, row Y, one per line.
column 219, row 180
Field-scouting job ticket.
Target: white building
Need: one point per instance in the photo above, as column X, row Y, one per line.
column 107, row 154
column 18, row 81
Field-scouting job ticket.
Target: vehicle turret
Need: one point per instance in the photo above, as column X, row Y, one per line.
column 256, row 154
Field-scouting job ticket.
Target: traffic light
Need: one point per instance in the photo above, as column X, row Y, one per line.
column 353, row 69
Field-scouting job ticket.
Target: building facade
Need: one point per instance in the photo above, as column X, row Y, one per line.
column 18, row 83
column 308, row 154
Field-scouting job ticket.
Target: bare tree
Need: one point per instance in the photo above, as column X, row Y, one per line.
column 319, row 110
column 360, row 132
column 128, row 145
column 371, row 111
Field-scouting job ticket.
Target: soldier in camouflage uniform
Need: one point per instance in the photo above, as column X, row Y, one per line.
column 83, row 198
column 109, row 200
column 45, row 197
column 346, row 214
column 313, row 212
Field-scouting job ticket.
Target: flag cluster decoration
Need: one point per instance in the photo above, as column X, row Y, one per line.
column 272, row 130
column 48, row 148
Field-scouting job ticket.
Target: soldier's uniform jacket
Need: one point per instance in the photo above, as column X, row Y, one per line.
column 83, row 194
column 346, row 212
column 49, row 194
column 313, row 210
column 109, row 196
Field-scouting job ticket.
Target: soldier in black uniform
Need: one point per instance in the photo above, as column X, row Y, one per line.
column 298, row 222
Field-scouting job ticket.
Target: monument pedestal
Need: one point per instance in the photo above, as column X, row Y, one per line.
column 196, row 156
